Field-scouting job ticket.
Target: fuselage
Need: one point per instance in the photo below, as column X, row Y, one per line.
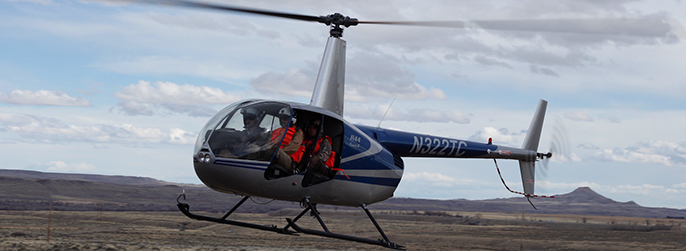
column 229, row 158
column 369, row 172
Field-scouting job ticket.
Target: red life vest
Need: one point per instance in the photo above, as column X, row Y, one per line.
column 278, row 133
column 329, row 162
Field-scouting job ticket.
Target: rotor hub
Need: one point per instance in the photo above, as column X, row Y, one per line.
column 337, row 20
column 544, row 155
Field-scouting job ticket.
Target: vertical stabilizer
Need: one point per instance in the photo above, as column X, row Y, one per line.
column 533, row 136
column 534, row 133
column 330, row 85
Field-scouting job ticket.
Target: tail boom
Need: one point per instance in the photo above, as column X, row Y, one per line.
column 406, row 144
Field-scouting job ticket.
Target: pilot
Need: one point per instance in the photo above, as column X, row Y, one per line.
column 251, row 138
column 251, row 122
column 287, row 155
column 319, row 148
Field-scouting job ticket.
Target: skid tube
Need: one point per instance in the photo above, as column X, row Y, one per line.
column 385, row 242
column 185, row 209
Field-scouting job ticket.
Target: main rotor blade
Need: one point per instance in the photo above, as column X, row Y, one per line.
column 199, row 5
column 640, row 27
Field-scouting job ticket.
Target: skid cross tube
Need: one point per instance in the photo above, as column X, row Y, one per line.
column 375, row 224
column 313, row 207
column 296, row 218
column 385, row 242
column 235, row 207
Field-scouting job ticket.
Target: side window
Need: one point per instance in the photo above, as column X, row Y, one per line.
column 270, row 122
column 235, row 122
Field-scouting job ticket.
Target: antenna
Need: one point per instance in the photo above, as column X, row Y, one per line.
column 384, row 115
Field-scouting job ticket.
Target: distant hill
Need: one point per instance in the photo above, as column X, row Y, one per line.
column 32, row 190
column 113, row 179
column 582, row 201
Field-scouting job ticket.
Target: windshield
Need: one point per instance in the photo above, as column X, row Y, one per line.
column 207, row 129
column 245, row 132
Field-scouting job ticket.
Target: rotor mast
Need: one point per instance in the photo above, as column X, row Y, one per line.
column 330, row 85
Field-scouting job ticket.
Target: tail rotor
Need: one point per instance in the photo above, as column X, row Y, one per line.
column 559, row 148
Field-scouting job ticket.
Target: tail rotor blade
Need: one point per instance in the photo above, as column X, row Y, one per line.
column 559, row 147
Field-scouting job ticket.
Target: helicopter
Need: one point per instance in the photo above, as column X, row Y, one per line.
column 241, row 149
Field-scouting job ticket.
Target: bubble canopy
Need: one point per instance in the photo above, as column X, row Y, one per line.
column 243, row 130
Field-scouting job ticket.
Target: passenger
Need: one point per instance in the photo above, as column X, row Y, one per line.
column 319, row 148
column 287, row 155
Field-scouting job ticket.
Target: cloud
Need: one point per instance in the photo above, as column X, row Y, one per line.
column 578, row 116
column 543, row 71
column 499, row 136
column 372, row 75
column 610, row 118
column 429, row 177
column 293, row 82
column 42, row 97
column 565, row 157
column 135, row 108
column 38, row 129
column 61, row 166
column 44, row 2
column 94, row 89
column 653, row 26
column 491, row 62
column 413, row 115
column 552, row 37
column 429, row 115
column 655, row 152
column 587, row 145
column 643, row 189
column 433, row 179
column 368, row 77
column 191, row 110
column 171, row 93
column 207, row 68
column 139, row 99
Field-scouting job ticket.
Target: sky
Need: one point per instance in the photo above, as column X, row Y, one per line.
column 116, row 88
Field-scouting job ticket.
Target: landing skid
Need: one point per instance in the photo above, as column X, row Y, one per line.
column 385, row 242
column 185, row 209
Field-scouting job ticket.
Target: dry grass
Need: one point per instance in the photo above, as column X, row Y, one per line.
column 28, row 230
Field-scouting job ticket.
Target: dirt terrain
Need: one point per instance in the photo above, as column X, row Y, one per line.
column 68, row 230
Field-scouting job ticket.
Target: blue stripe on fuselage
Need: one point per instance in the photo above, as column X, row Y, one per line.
column 392, row 182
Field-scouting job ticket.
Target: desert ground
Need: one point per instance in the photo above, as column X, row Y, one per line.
column 105, row 230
